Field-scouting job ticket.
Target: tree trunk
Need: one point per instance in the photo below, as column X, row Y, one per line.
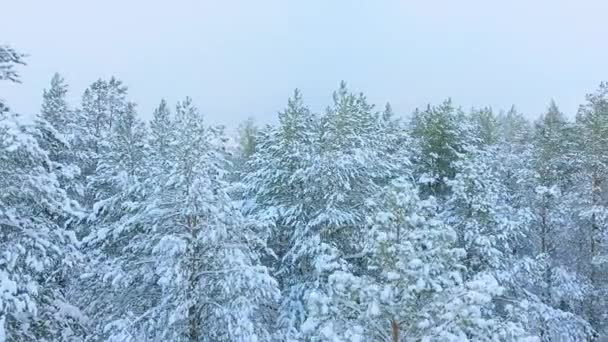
column 395, row 333
column 193, row 317
column 544, row 248
column 595, row 229
column 546, row 251
column 594, row 250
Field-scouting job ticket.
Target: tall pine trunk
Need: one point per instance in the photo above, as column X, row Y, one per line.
column 594, row 250
column 544, row 247
column 193, row 317
column 395, row 331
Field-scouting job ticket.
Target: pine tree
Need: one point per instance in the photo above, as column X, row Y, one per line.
column 515, row 149
column 160, row 140
column 271, row 184
column 592, row 126
column 413, row 263
column 119, row 191
column 247, row 138
column 341, row 178
column 486, row 126
column 123, row 159
column 54, row 104
column 514, row 127
column 219, row 283
column 55, row 127
column 280, row 152
column 554, row 230
column 311, row 178
column 441, row 135
column 9, row 59
column 554, row 168
column 35, row 249
column 187, row 262
column 102, row 102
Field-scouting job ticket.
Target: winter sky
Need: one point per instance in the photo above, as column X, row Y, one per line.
column 243, row 58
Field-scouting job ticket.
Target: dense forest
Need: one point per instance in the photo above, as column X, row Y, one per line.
column 353, row 224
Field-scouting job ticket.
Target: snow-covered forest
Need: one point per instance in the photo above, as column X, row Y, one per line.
column 354, row 224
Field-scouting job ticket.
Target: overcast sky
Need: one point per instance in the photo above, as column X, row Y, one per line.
column 243, row 58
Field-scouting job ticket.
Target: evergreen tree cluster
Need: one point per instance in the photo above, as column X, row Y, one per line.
column 347, row 225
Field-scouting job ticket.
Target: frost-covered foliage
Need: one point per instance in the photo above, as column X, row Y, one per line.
column 440, row 137
column 118, row 182
column 312, row 194
column 9, row 58
column 592, row 126
column 36, row 251
column 102, row 103
column 55, row 129
column 414, row 264
column 346, row 225
column 184, row 264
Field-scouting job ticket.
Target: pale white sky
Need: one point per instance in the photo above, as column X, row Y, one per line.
column 243, row 58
